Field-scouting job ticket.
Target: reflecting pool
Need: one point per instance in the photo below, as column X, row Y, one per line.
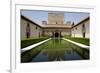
column 55, row 50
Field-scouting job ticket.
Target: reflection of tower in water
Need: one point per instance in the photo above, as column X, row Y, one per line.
column 55, row 55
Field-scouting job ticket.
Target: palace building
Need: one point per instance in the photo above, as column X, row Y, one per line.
column 29, row 28
column 81, row 29
column 54, row 27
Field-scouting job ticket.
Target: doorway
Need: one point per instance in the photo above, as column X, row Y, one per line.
column 56, row 34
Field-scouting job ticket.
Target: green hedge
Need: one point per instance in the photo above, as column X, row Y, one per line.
column 25, row 43
column 85, row 41
column 29, row 55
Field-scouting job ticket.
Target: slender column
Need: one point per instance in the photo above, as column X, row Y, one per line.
column 54, row 35
column 59, row 35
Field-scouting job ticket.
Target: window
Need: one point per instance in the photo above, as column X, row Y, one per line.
column 36, row 27
column 28, row 25
column 83, row 28
column 76, row 28
column 56, row 22
column 28, row 30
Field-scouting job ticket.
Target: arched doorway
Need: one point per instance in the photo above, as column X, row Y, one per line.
column 56, row 34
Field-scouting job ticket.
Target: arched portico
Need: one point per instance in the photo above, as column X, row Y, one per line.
column 56, row 34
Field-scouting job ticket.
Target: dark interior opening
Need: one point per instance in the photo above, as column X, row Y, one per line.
column 56, row 34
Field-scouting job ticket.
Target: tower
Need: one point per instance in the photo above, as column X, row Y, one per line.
column 44, row 22
column 55, row 18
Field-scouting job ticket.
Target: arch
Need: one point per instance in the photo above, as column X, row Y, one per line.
column 56, row 34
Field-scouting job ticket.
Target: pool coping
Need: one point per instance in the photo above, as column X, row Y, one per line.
column 76, row 43
column 34, row 45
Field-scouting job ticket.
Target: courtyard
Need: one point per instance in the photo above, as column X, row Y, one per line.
column 54, row 36
column 55, row 50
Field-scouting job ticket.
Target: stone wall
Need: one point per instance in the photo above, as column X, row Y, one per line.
column 55, row 18
column 35, row 31
column 78, row 30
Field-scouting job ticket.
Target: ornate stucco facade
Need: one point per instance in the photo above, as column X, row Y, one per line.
column 56, row 26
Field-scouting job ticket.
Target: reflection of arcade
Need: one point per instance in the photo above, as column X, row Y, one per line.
column 55, row 50
column 61, row 55
column 56, row 42
column 56, row 34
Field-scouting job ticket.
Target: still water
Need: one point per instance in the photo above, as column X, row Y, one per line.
column 55, row 50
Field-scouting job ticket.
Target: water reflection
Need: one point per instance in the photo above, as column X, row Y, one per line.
column 58, row 50
column 60, row 55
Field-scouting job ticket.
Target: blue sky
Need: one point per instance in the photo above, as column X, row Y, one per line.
column 39, row 16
